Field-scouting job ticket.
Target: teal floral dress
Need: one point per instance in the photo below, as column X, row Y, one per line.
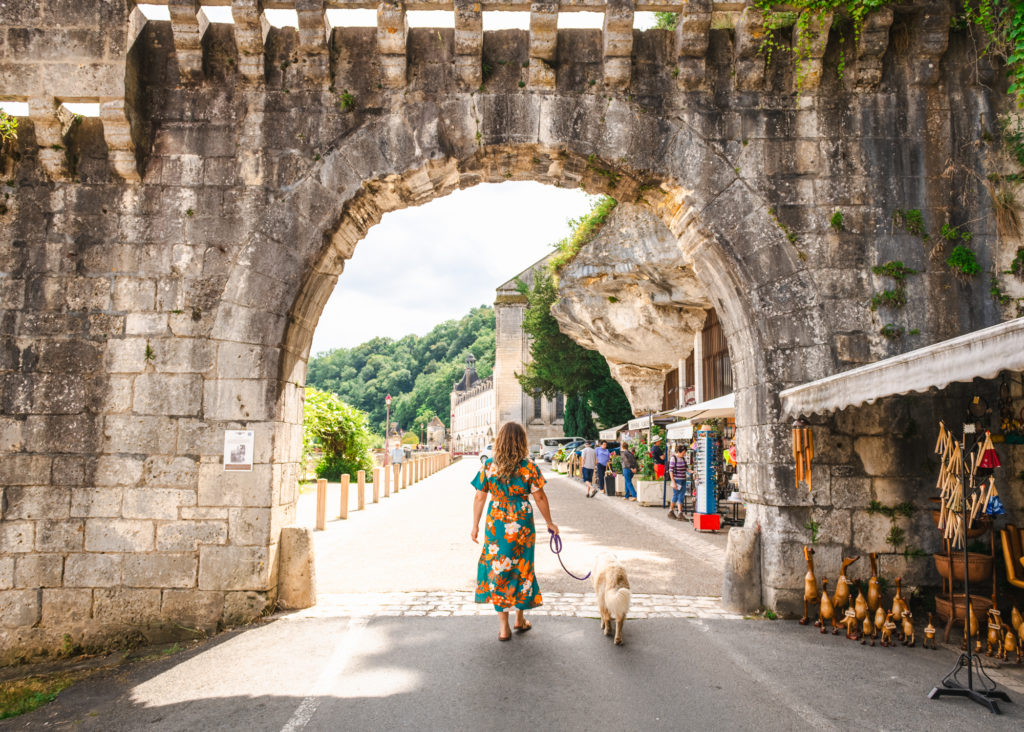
column 504, row 574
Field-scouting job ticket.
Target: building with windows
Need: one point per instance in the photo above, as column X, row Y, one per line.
column 480, row 406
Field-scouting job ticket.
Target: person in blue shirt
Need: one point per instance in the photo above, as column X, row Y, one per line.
column 603, row 455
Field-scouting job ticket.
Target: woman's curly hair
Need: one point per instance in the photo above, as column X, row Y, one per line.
column 510, row 449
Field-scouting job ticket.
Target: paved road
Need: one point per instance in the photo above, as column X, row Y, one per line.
column 398, row 644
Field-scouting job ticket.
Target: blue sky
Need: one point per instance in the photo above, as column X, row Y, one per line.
column 421, row 266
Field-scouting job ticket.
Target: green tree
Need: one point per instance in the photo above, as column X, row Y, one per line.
column 666, row 21
column 339, row 431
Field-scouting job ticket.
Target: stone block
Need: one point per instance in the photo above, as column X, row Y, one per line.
column 37, row 502
column 193, row 608
column 125, row 356
column 151, row 324
column 25, row 470
column 870, row 531
column 234, row 568
column 877, row 455
column 155, row 503
column 119, row 394
column 134, row 434
column 850, row 491
column 835, row 526
column 243, row 361
column 243, row 607
column 127, row 606
column 189, row 535
column 62, row 608
column 6, row 572
column 168, row 471
column 38, row 570
column 249, row 526
column 132, row 294
column 96, row 502
column 19, row 608
column 115, row 470
column 237, row 399
column 185, row 355
column 60, row 536
column 167, row 394
column 218, row 487
column 119, row 535
column 741, row 584
column 11, row 439
column 193, row 513
column 16, row 536
column 92, row 570
column 159, row 570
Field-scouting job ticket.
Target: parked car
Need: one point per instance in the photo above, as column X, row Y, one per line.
column 487, row 452
column 550, row 452
column 550, row 445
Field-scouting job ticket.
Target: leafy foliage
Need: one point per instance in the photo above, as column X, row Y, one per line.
column 1002, row 22
column 418, row 372
column 666, row 21
column 584, row 229
column 963, row 262
column 339, row 430
column 560, row 365
column 897, row 297
column 8, row 127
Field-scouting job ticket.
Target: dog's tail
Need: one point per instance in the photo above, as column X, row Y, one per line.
column 617, row 601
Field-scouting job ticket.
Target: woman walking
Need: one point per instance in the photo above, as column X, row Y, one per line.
column 505, row 576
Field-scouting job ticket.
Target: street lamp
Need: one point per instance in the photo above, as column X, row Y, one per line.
column 387, row 429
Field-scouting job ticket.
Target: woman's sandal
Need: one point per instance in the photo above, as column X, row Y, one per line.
column 522, row 628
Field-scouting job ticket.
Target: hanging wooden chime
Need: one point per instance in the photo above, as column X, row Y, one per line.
column 803, row 452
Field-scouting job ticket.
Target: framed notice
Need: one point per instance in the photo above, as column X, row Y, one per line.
column 238, row 449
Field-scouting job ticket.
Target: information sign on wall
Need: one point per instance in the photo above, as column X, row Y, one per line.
column 238, row 449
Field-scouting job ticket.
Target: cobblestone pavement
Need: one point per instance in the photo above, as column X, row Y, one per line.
column 556, row 604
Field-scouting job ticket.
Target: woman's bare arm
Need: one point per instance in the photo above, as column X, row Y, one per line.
column 478, row 509
column 541, row 499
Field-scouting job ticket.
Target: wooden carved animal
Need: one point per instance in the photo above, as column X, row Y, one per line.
column 826, row 612
column 899, row 606
column 1016, row 620
column 874, row 594
column 971, row 629
column 929, row 634
column 994, row 638
column 842, row 594
column 810, row 585
column 1009, row 644
column 850, row 621
column 860, row 605
column 868, row 629
column 879, row 618
column 888, row 628
column 908, row 629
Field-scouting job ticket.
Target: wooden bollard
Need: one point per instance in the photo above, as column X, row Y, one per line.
column 361, row 494
column 376, row 485
column 321, row 504
column 397, row 470
column 387, row 480
column 343, row 512
column 405, row 475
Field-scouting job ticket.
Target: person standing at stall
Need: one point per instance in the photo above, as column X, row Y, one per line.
column 658, row 455
column 629, row 466
column 678, row 469
column 588, row 462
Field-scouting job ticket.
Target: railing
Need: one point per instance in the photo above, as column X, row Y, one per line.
column 400, row 475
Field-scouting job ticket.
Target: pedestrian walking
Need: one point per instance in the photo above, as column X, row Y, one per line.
column 588, row 463
column 629, row 467
column 678, row 468
column 602, row 455
column 505, row 575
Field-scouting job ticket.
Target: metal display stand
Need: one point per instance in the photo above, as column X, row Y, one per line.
column 987, row 693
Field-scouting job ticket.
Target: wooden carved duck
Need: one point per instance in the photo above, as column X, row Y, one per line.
column 908, row 629
column 868, row 629
column 874, row 594
column 994, row 639
column 842, row 594
column 1016, row 620
column 860, row 605
column 879, row 618
column 826, row 612
column 850, row 621
column 929, row 634
column 1009, row 644
column 971, row 628
column 899, row 606
column 888, row 628
column 810, row 585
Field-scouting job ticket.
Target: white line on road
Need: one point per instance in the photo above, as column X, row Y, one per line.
column 335, row 665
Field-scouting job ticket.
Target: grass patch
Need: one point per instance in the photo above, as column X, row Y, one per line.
column 23, row 695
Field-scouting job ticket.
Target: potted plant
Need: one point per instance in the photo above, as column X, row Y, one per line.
column 649, row 488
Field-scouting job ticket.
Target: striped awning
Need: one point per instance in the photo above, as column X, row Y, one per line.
column 981, row 354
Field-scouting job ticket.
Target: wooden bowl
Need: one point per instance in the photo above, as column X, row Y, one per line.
column 981, row 607
column 978, row 565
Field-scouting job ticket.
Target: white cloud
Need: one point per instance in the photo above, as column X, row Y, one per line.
column 421, row 266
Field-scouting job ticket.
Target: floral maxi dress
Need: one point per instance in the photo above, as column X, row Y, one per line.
column 504, row 575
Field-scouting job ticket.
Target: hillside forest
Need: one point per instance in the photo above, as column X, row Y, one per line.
column 417, row 371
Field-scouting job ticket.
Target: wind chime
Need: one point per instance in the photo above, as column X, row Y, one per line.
column 956, row 518
column 803, row 452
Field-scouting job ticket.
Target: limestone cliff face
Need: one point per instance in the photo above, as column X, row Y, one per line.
column 631, row 296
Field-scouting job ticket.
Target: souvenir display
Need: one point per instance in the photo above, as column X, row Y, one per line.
column 929, row 634
column 810, row 585
column 850, row 621
column 867, row 629
column 908, row 629
column 842, row 594
column 803, row 452
column 888, row 628
column 826, row 612
column 874, row 595
column 994, row 639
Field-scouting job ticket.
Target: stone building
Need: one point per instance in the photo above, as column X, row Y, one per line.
column 472, row 417
column 436, row 433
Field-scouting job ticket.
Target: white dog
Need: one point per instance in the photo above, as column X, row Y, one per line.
column 612, row 589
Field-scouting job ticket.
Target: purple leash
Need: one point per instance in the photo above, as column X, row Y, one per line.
column 555, row 544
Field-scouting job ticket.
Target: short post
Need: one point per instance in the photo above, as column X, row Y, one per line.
column 376, row 485
column 398, row 476
column 387, row 480
column 405, row 475
column 321, row 504
column 343, row 513
column 361, row 491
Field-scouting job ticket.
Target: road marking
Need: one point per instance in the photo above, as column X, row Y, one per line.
column 335, row 665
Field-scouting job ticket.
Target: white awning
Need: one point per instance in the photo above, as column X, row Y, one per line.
column 723, row 406
column 611, row 433
column 680, row 430
column 645, row 422
column 983, row 353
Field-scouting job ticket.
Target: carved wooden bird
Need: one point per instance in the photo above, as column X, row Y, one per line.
column 826, row 612
column 810, row 585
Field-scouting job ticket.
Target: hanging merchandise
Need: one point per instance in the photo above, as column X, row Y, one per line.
column 989, row 456
column 803, row 452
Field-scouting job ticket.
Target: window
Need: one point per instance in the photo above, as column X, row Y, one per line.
column 537, row 404
column 717, row 366
column 559, row 406
column 670, row 397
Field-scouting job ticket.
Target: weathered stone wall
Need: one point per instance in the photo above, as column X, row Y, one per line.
column 140, row 319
